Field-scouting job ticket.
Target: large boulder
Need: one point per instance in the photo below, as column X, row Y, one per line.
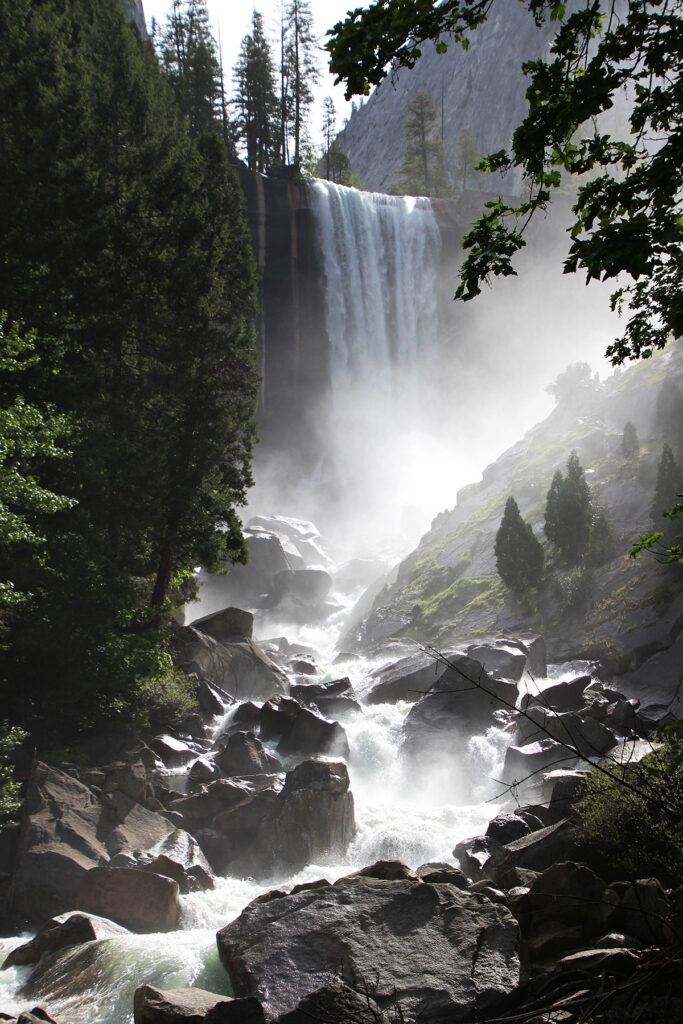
column 66, row 830
column 441, row 953
column 567, row 695
column 299, row 732
column 330, row 698
column 192, row 1006
column 240, row 668
column 500, row 658
column 306, row 587
column 315, row 814
column 335, row 1003
column 138, row 900
column 228, row 625
column 243, row 754
column 464, row 704
column 60, row 932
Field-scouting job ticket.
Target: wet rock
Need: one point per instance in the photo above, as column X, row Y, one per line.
column 193, row 1006
column 240, row 668
column 35, row 1016
column 192, row 725
column 67, row 830
column 173, row 752
column 523, row 764
column 335, row 1003
column 244, row 754
column 389, row 870
column 304, row 587
column 441, row 952
column 562, row 788
column 643, row 910
column 485, row 887
column 474, row 854
column 245, row 718
column 439, row 718
column 131, row 779
column 60, row 932
column 138, row 900
column 202, row 770
column 438, row 871
column 567, row 904
column 500, row 659
column 333, row 698
column 586, row 736
column 179, row 856
column 210, row 701
column 564, row 696
column 227, row 625
column 299, row 732
column 536, row 851
column 506, row 827
column 315, row 813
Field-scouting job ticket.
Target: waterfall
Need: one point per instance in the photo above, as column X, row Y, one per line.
column 380, row 260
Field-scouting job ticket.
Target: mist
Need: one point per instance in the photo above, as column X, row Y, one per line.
column 425, row 392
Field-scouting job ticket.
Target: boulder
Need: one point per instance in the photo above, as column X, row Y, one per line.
column 65, row 831
column 202, row 770
column 139, row 900
column 299, row 732
column 566, row 905
column 506, row 827
column 407, row 679
column 643, row 911
column 586, row 735
column 228, row 625
column 537, row 851
column 564, row 696
column 335, row 1003
column 474, row 854
column 314, row 815
column 389, row 870
column 438, row 871
column 179, row 856
column 173, row 752
column 440, row 718
column 193, row 1006
column 209, row 700
column 71, row 929
column 500, row 659
column 308, row 587
column 243, row 754
column 441, row 953
column 240, row 668
column 130, row 779
column 333, row 698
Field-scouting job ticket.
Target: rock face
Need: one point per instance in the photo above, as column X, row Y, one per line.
column 61, row 932
column 66, row 831
column 139, row 900
column 442, row 952
column 192, row 1006
column 240, row 668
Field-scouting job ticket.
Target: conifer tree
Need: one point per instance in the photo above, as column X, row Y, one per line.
column 568, row 514
column 256, row 99
column 602, row 544
column 329, row 122
column 519, row 555
column 630, row 445
column 467, row 155
column 188, row 56
column 669, row 485
column 670, row 411
column 300, row 71
column 126, row 242
column 422, row 170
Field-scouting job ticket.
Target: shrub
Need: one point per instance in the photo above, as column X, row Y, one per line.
column 638, row 832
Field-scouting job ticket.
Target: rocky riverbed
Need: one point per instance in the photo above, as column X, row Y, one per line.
column 335, row 838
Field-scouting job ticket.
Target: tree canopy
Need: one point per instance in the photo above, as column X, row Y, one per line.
column 628, row 222
column 123, row 245
column 422, row 170
column 519, row 555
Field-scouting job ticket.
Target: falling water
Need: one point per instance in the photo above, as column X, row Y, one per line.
column 380, row 260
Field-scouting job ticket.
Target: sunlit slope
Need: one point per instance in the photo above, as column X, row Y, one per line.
column 448, row 589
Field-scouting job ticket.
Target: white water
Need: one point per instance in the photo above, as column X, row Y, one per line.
column 401, row 813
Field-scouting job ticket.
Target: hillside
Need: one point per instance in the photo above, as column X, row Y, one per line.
column 628, row 613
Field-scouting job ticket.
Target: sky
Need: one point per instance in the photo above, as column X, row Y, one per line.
column 233, row 18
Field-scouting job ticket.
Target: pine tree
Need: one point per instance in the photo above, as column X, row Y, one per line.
column 602, row 544
column 519, row 555
column 568, row 513
column 553, row 504
column 188, row 56
column 669, row 485
column 300, row 70
column 422, row 170
column 256, row 99
column 670, row 411
column 127, row 243
column 329, row 122
column 630, row 445
column 467, row 155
